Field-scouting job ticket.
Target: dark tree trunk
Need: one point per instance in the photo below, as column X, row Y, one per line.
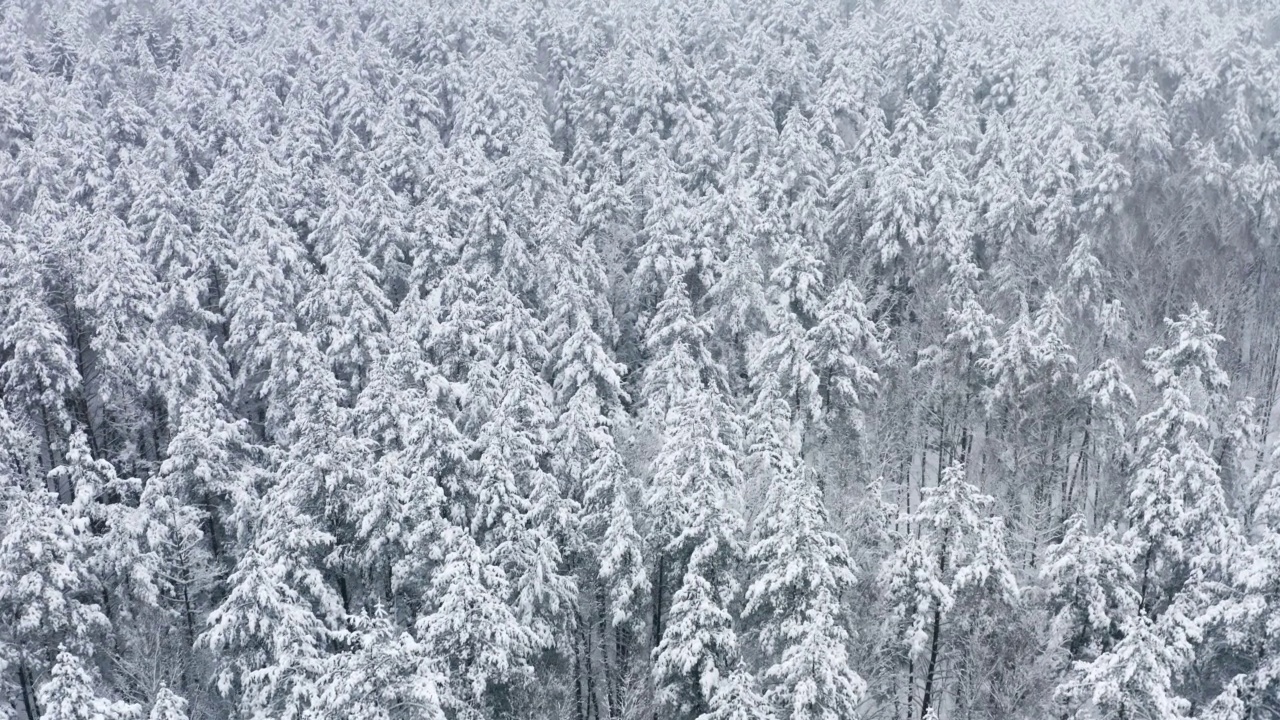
column 659, row 586
column 28, row 695
column 211, row 523
column 927, row 699
column 607, row 673
column 936, row 640
column 579, row 705
column 593, row 702
column 911, row 685
column 621, row 637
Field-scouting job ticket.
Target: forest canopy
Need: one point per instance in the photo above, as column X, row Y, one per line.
column 707, row 360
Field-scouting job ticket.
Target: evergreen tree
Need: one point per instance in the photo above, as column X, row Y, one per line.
column 959, row 557
column 696, row 472
column 802, row 572
column 70, row 694
column 846, row 346
column 1177, row 511
column 347, row 310
column 472, row 629
column 1135, row 678
column 168, row 705
column 1090, row 584
column 384, row 674
column 48, row 583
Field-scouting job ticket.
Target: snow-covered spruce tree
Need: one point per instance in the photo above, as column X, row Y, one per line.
column 1135, row 678
column 1091, row 588
column 484, row 647
column 695, row 477
column 1177, row 512
column 589, row 396
column 262, row 293
column 184, row 564
column 39, row 372
column 958, row 564
column 346, row 308
column 846, row 346
column 405, row 413
column 71, row 693
column 168, row 705
column 517, row 510
column 383, row 673
column 801, row 573
column 46, row 582
column 1180, row 531
column 1244, row 619
column 282, row 609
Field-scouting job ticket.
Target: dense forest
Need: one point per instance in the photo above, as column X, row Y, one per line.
column 708, row 360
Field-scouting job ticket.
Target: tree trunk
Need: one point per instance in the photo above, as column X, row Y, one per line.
column 589, row 673
column 927, row 699
column 607, row 678
column 1146, row 570
column 1072, row 478
column 28, row 694
column 81, row 398
column 187, row 609
column 211, row 522
column 53, row 486
column 580, row 713
column 936, row 640
column 911, row 684
column 658, row 587
column 620, row 639
column 942, row 438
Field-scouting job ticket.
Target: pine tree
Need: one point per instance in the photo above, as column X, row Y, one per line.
column 802, row 571
column 45, row 578
column 846, row 346
column 737, row 304
column 784, row 354
column 698, row 648
column 959, row 557
column 622, row 555
column 1135, row 678
column 168, row 705
column 46, row 573
column 471, row 628
column 124, row 573
column 386, row 210
column 405, row 413
column 347, row 310
column 1090, row 585
column 736, row 698
column 39, row 372
column 676, row 340
column 1032, row 360
column 204, row 459
column 270, row 630
column 118, row 298
column 384, row 674
column 1242, row 618
column 664, row 231
column 696, row 472
column 1177, row 511
column 895, row 226
column 263, row 288
column 70, row 694
column 517, row 508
